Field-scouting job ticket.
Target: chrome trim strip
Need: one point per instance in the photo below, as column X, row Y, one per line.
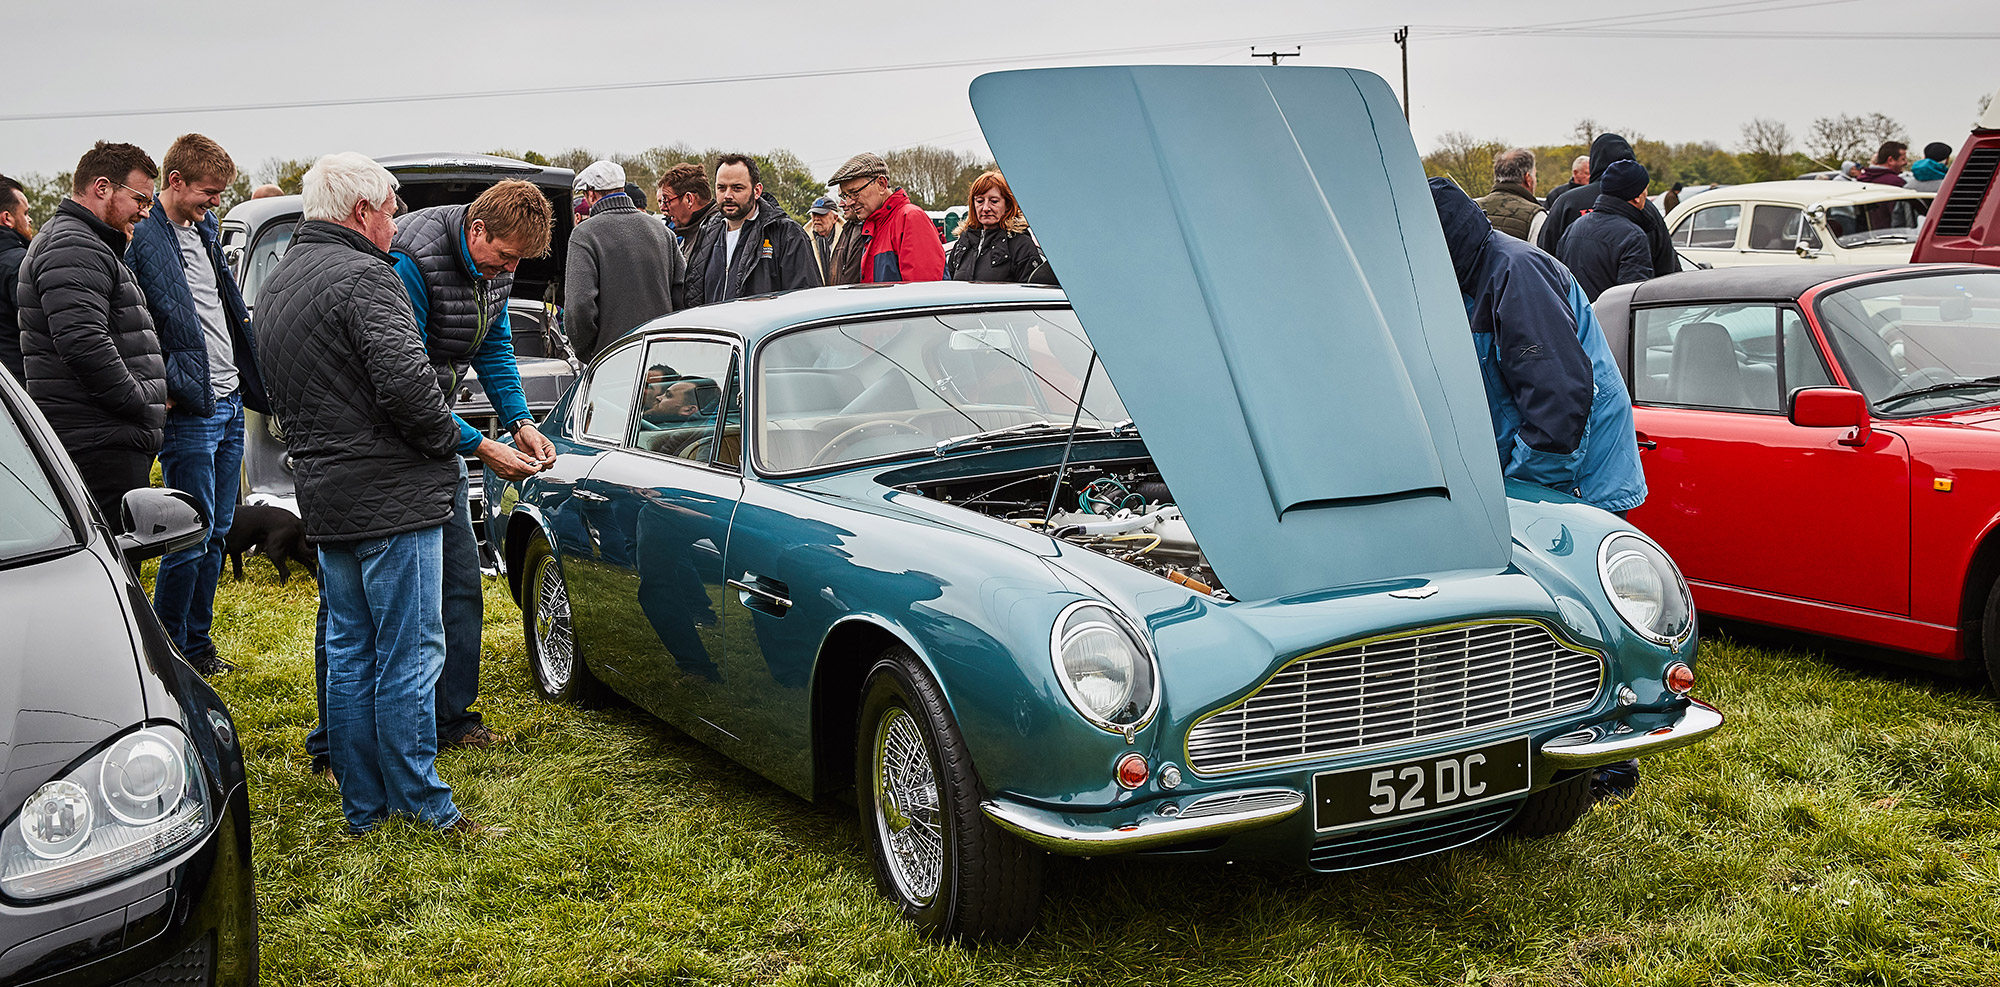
column 1589, row 750
column 1055, row 833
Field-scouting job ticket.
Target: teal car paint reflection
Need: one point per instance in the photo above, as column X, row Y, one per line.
column 841, row 535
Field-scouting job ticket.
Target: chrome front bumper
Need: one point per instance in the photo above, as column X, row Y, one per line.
column 1078, row 834
column 1620, row 740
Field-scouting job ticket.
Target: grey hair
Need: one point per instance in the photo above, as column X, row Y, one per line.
column 1513, row 166
column 1582, row 161
column 336, row 183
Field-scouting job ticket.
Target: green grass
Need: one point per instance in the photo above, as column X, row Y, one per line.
column 1844, row 828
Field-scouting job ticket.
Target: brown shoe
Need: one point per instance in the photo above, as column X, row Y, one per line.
column 466, row 827
column 478, row 736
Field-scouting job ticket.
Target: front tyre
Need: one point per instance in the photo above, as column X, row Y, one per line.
column 550, row 631
column 947, row 867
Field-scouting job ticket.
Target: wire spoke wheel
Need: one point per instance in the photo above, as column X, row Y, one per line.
column 907, row 818
column 555, row 645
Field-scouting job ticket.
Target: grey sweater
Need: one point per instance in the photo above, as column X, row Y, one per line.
column 623, row 271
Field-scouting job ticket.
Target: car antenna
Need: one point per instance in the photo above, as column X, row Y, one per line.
column 1081, row 393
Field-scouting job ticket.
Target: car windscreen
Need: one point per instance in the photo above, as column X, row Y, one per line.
column 865, row 390
column 1894, row 221
column 1922, row 344
column 32, row 520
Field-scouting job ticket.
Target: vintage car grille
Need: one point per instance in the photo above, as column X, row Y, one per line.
column 1957, row 213
column 1417, row 686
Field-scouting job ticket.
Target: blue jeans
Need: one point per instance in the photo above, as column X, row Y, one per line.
column 204, row 457
column 384, row 650
column 464, row 618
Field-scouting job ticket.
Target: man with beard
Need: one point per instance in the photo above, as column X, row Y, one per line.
column 1607, row 245
column 749, row 247
column 16, row 229
column 1605, row 150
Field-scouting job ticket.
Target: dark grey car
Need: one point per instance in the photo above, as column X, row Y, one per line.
column 256, row 234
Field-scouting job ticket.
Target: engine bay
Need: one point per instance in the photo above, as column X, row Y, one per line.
column 1118, row 509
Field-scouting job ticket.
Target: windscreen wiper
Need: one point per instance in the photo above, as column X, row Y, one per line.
column 1938, row 388
column 1024, row 428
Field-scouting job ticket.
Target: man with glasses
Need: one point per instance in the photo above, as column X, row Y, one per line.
column 687, row 199
column 211, row 365
column 901, row 241
column 88, row 348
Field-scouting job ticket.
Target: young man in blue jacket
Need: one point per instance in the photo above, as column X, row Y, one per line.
column 211, row 361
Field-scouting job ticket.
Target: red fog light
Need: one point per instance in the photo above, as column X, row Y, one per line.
column 1132, row 770
column 1680, row 678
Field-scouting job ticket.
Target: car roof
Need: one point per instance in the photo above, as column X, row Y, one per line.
column 759, row 315
column 1747, row 282
column 1799, row 193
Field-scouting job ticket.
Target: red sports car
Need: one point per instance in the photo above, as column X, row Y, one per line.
column 1822, row 447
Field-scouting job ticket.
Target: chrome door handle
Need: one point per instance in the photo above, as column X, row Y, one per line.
column 754, row 586
column 590, row 495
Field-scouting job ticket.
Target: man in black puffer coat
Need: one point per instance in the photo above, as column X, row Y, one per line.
column 87, row 345
column 1606, row 150
column 16, row 229
column 1608, row 245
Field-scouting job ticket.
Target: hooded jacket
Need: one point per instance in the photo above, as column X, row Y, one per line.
column 1561, row 416
column 88, row 348
column 1604, row 151
column 155, row 258
column 369, row 435
column 1926, row 175
column 1607, row 246
column 1007, row 254
column 773, row 253
column 13, row 247
column 902, row 243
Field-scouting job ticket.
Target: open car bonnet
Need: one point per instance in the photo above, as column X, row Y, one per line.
column 1255, row 256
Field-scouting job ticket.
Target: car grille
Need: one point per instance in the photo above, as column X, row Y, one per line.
column 1433, row 834
column 1416, row 686
column 1958, row 212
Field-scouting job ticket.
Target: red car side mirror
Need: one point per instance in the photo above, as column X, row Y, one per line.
column 1832, row 407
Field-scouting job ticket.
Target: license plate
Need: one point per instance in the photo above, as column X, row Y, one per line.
column 1421, row 785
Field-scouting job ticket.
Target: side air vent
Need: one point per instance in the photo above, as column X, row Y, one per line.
column 1955, row 218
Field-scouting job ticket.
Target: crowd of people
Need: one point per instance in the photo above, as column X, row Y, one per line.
column 126, row 325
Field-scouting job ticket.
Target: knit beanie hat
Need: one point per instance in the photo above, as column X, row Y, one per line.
column 1624, row 180
column 1937, row 150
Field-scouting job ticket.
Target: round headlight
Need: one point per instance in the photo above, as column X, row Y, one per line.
column 143, row 778
column 1105, row 671
column 56, row 820
column 1645, row 588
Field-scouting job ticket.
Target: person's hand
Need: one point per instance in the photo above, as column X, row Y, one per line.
column 531, row 441
column 510, row 463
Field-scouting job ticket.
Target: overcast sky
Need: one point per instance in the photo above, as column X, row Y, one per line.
column 69, row 59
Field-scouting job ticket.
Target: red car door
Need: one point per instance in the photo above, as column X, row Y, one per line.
column 1736, row 493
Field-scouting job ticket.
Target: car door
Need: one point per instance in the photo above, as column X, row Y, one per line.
column 1708, row 235
column 580, row 518
column 665, row 499
column 1736, row 493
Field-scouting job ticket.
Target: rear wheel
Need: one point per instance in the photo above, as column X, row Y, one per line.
column 947, row 867
column 1989, row 635
column 1553, row 810
column 550, row 633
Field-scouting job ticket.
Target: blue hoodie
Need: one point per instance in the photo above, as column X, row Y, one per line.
column 1561, row 415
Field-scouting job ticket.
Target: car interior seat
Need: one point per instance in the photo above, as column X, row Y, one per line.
column 1705, row 371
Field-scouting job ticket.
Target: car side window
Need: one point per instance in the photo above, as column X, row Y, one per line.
column 1730, row 357
column 1774, row 227
column 607, row 399
column 683, row 410
column 1712, row 227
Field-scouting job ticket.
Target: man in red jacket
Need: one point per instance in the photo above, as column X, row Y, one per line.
column 901, row 242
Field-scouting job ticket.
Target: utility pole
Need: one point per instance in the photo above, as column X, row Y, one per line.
column 1274, row 54
column 1403, row 42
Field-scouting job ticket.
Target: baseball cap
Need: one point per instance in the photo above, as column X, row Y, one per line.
column 601, row 176
column 824, row 205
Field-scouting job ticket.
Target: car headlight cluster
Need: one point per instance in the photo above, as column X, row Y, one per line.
column 138, row 800
column 1105, row 669
column 1645, row 588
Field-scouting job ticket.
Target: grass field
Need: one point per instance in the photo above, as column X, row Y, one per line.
column 1844, row 828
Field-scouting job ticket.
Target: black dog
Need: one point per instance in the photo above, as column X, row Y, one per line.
column 274, row 531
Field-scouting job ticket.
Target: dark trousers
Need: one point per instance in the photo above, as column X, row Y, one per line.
column 110, row 474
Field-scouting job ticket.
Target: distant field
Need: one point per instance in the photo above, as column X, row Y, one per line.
column 1844, row 828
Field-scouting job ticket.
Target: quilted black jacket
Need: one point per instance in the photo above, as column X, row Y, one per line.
column 87, row 344
column 344, row 364
column 13, row 247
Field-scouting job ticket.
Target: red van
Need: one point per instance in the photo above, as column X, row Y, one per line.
column 1964, row 223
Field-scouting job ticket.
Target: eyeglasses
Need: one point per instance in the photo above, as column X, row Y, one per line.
column 855, row 196
column 145, row 201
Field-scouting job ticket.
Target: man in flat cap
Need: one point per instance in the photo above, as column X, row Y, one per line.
column 901, row 242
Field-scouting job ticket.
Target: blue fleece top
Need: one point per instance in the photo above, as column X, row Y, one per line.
column 493, row 361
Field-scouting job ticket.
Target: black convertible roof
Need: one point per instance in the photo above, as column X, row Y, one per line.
column 1747, row 283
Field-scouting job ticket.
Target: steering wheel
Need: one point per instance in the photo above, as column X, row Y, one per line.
column 853, row 436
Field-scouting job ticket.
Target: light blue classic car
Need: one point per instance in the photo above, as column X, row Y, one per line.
column 1266, row 597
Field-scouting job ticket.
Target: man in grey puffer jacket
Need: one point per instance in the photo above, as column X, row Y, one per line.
column 372, row 445
column 623, row 268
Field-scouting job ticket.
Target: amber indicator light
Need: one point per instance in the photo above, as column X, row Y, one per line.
column 1132, row 769
column 1942, row 484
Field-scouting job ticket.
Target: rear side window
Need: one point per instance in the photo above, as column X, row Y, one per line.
column 607, row 400
column 1714, row 226
column 1731, row 357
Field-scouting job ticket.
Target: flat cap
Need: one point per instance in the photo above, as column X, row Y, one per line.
column 863, row 165
column 601, row 176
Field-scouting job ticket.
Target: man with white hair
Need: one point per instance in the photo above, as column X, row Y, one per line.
column 1579, row 175
column 372, row 445
column 624, row 268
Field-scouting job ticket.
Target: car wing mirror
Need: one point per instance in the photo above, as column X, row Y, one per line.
column 1832, row 407
column 159, row 521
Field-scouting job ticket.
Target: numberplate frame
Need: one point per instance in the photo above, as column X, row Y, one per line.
column 1341, row 800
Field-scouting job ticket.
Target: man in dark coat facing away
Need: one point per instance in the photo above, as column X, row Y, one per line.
column 1608, row 244
column 1604, row 151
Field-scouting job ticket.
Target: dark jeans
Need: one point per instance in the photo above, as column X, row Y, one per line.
column 204, row 457
column 110, row 474
column 464, row 616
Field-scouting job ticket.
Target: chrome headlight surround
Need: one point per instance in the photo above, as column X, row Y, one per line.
column 140, row 799
column 1646, row 588
column 1105, row 668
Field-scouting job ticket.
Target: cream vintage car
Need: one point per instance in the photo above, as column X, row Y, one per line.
column 1799, row 222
